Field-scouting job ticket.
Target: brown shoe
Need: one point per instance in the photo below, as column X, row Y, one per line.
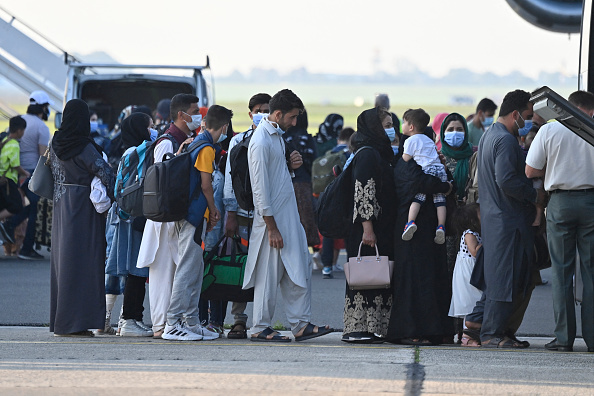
column 158, row 334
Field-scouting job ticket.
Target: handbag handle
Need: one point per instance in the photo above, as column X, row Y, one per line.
column 377, row 256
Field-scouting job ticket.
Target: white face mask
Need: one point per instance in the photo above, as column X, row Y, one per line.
column 488, row 122
column 257, row 117
column 276, row 126
column 391, row 132
column 154, row 134
column 223, row 136
column 195, row 123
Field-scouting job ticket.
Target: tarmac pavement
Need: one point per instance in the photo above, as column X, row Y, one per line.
column 33, row 362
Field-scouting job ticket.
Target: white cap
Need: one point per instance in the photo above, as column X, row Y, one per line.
column 39, row 98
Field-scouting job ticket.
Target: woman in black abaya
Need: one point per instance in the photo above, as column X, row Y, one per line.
column 367, row 312
column 78, row 233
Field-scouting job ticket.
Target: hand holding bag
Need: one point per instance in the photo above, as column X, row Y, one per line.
column 368, row 272
column 42, row 180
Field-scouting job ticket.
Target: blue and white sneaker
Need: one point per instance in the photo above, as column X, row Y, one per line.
column 439, row 235
column 409, row 230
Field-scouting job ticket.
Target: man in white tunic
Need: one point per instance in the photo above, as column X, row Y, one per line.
column 278, row 253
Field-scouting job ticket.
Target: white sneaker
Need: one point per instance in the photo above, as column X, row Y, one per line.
column 317, row 260
column 179, row 332
column 143, row 326
column 120, row 324
column 131, row 329
column 338, row 267
column 206, row 334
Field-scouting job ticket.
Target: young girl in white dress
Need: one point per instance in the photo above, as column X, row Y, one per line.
column 464, row 295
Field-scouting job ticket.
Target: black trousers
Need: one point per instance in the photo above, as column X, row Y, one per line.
column 134, row 297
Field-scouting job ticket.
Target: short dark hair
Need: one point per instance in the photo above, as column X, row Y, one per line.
column 514, row 100
column 466, row 218
column 486, row 105
column 418, row 118
column 16, row 123
column 258, row 99
column 345, row 134
column 181, row 102
column 285, row 100
column 583, row 99
column 217, row 116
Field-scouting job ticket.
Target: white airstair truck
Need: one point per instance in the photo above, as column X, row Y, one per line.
column 31, row 62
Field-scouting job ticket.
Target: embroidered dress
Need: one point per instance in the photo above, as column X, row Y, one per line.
column 374, row 194
column 464, row 295
column 78, row 243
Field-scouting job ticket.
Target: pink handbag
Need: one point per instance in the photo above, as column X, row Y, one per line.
column 368, row 272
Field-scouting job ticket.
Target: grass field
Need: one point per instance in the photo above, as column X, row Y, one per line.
column 323, row 99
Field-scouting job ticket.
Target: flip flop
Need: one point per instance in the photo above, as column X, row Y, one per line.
column 309, row 333
column 263, row 336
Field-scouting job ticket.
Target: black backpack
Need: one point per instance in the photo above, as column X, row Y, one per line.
column 240, row 172
column 167, row 186
column 334, row 213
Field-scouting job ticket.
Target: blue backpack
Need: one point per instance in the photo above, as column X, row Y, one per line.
column 129, row 186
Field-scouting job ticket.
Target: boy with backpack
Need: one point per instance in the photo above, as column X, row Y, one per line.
column 10, row 169
column 159, row 246
column 182, row 316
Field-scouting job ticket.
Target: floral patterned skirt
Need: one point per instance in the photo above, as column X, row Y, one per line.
column 367, row 311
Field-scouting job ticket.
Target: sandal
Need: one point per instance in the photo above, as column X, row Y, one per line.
column 308, row 332
column 237, row 332
column 264, row 336
column 471, row 338
column 514, row 338
column 505, row 342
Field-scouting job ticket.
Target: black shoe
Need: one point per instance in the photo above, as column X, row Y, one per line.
column 32, row 255
column 554, row 346
column 5, row 232
column 358, row 337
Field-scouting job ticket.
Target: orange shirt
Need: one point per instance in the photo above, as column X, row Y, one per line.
column 205, row 163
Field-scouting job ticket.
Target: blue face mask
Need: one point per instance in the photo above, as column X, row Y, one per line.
column 454, row 139
column 94, row 126
column 154, row 134
column 391, row 132
column 257, row 117
column 488, row 122
column 527, row 126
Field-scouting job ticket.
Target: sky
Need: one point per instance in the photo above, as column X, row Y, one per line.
column 325, row 36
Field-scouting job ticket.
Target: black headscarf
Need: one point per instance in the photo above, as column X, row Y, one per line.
column 330, row 128
column 75, row 132
column 370, row 132
column 135, row 130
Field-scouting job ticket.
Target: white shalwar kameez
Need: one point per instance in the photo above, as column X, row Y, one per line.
column 268, row 267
